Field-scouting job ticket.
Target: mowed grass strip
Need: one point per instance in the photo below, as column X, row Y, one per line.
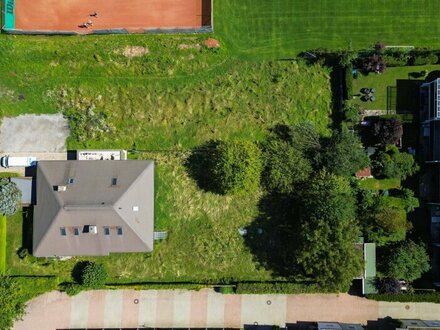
column 2, row 244
column 282, row 28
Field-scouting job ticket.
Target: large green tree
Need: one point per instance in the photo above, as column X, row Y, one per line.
column 10, row 197
column 343, row 154
column 386, row 224
column 11, row 305
column 391, row 163
column 285, row 167
column 328, row 231
column 235, row 167
column 407, row 261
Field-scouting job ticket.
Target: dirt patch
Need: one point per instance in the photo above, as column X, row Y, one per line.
column 134, row 51
column 35, row 133
column 189, row 46
column 212, row 43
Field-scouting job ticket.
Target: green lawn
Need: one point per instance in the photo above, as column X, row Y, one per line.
column 2, row 244
column 380, row 83
column 171, row 98
column 282, row 28
column 380, row 184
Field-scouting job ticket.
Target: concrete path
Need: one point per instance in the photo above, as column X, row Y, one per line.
column 205, row 308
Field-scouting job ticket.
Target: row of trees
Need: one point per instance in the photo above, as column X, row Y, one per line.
column 329, row 208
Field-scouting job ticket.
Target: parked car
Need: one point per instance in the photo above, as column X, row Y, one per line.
column 8, row 161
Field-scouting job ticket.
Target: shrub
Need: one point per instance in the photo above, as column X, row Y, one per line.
column 93, row 275
column 12, row 307
column 352, row 112
column 226, row 289
column 235, row 167
column 423, row 57
column 72, row 289
column 395, row 59
column 374, row 63
column 10, row 197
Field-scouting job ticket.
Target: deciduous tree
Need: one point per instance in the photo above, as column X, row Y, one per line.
column 328, row 232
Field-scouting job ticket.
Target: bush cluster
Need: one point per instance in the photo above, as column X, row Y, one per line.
column 93, row 275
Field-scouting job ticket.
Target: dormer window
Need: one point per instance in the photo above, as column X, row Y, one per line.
column 76, row 231
column 114, row 181
column 71, row 180
column 63, row 231
column 119, row 231
column 107, row 231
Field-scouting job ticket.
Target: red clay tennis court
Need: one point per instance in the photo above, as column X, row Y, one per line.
column 112, row 16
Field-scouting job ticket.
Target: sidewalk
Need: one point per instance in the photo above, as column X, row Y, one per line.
column 205, row 308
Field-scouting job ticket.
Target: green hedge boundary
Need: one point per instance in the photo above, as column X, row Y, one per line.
column 277, row 288
column 2, row 244
column 433, row 297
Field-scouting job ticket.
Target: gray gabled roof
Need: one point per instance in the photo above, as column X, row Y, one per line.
column 106, row 194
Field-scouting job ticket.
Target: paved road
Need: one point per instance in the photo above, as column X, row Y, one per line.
column 205, row 308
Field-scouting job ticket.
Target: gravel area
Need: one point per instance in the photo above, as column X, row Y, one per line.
column 33, row 133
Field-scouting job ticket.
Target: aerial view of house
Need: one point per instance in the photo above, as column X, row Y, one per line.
column 224, row 164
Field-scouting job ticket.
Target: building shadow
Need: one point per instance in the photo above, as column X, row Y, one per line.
column 27, row 231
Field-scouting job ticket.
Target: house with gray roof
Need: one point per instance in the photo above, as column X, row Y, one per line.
column 93, row 208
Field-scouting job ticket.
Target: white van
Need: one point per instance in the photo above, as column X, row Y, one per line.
column 7, row 161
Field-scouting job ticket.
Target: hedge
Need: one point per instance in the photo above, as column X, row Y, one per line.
column 2, row 244
column 348, row 82
column 395, row 60
column 433, row 297
column 157, row 286
column 277, row 287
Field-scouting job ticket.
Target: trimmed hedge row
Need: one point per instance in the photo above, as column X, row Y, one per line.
column 348, row 82
column 277, row 287
column 433, row 297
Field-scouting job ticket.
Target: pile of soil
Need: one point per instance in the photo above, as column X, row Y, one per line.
column 212, row 43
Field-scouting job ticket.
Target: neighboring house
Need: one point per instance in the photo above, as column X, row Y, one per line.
column 430, row 135
column 25, row 186
column 368, row 276
column 430, row 120
column 364, row 173
column 419, row 324
column 306, row 325
column 93, row 208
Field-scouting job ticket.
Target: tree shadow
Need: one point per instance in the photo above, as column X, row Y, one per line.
column 272, row 236
column 78, row 270
column 197, row 165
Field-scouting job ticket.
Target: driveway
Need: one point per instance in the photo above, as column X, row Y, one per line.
column 205, row 308
column 34, row 133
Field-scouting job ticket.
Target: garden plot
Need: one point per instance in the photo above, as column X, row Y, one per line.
column 34, row 133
